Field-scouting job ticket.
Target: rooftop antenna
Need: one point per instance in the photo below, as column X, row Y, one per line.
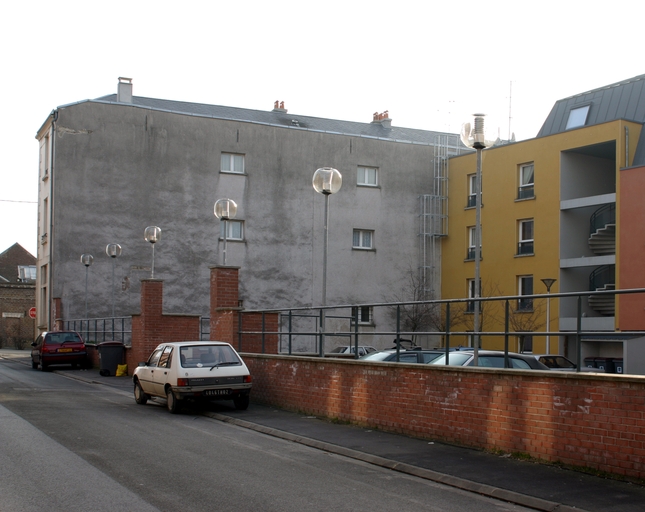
column 510, row 100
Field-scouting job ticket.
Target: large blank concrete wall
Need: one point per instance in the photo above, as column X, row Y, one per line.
column 590, row 420
column 119, row 168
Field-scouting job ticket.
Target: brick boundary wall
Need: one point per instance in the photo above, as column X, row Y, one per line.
column 591, row 420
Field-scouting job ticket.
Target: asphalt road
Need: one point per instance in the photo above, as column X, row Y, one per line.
column 73, row 446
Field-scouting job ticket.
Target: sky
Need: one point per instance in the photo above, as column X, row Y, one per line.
column 429, row 64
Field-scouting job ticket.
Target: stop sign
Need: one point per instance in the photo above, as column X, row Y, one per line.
column 32, row 312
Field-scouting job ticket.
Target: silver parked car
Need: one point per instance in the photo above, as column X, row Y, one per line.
column 560, row 363
column 491, row 359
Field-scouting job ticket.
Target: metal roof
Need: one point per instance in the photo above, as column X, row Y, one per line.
column 621, row 100
column 282, row 118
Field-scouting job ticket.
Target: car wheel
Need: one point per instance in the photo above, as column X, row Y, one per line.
column 43, row 366
column 139, row 396
column 241, row 402
column 34, row 365
column 172, row 402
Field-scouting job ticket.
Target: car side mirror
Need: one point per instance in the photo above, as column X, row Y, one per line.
column 33, row 343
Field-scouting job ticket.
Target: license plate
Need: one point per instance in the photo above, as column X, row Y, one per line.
column 64, row 350
column 215, row 392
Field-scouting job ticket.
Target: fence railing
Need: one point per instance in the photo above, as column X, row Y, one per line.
column 305, row 326
column 98, row 330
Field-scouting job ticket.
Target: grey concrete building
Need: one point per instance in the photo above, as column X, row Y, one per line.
column 112, row 166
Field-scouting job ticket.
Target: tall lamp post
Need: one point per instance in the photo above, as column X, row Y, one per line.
column 86, row 259
column 548, row 282
column 474, row 136
column 225, row 209
column 113, row 251
column 326, row 181
column 152, row 234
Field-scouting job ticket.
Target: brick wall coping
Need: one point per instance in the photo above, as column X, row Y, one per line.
column 605, row 377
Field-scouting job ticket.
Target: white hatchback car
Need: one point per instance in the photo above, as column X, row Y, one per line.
column 193, row 370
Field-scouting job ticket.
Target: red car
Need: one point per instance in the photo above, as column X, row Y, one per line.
column 59, row 347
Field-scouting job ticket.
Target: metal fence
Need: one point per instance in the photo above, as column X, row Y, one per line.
column 314, row 328
column 98, row 330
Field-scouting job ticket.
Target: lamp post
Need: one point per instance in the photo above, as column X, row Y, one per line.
column 113, row 251
column 225, row 209
column 474, row 136
column 326, row 181
column 152, row 234
column 86, row 259
column 548, row 282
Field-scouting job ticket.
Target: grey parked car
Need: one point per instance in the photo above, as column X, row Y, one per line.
column 405, row 356
column 491, row 359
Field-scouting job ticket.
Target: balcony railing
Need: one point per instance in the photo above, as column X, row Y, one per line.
column 525, row 248
column 602, row 217
column 525, row 192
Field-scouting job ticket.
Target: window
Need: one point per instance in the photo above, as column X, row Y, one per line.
column 472, row 187
column 471, row 244
column 44, row 157
column 235, row 230
column 525, row 190
column 363, row 239
column 525, row 237
column 577, row 117
column 43, row 237
column 165, row 359
column 470, row 305
column 364, row 314
column 232, row 163
column 525, row 343
column 26, row 272
column 153, row 360
column 367, row 176
column 525, row 287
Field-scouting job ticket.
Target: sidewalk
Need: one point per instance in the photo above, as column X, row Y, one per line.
column 529, row 484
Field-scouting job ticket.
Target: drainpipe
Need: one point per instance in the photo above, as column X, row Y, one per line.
column 626, row 146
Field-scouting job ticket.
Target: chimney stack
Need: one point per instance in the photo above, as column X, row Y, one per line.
column 124, row 90
column 383, row 119
column 278, row 106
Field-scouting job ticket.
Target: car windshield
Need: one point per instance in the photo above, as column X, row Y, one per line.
column 376, row 356
column 198, row 356
column 455, row 359
column 338, row 350
column 557, row 362
column 58, row 338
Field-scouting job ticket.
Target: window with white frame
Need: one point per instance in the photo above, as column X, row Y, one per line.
column 525, row 237
column 577, row 117
column 26, row 273
column 234, row 229
column 363, row 239
column 525, row 287
column 364, row 314
column 525, row 190
column 472, row 187
column 470, row 255
column 232, row 162
column 470, row 305
column 367, row 176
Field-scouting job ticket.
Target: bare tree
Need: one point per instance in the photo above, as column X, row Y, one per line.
column 422, row 314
